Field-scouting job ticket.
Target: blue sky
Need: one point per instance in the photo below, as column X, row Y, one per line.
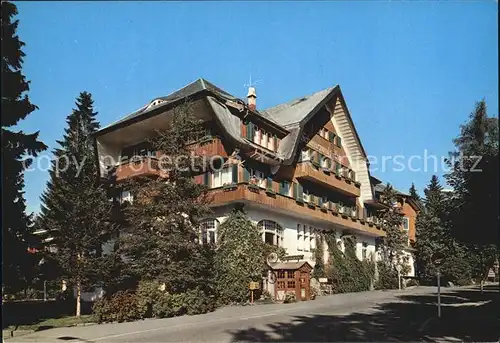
column 410, row 71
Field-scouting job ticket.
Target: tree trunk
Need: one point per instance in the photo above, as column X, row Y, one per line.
column 78, row 298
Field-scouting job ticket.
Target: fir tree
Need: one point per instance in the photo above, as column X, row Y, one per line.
column 18, row 149
column 431, row 234
column 392, row 245
column 474, row 179
column 163, row 241
column 414, row 194
column 239, row 257
column 75, row 206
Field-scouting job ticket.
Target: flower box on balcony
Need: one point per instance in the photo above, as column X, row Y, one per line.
column 325, row 206
column 347, row 179
column 270, row 192
column 362, row 220
column 229, row 187
column 333, row 208
column 357, row 184
column 253, row 187
column 327, row 171
column 316, row 165
column 338, row 175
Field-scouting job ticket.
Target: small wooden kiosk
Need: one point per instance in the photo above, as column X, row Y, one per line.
column 292, row 277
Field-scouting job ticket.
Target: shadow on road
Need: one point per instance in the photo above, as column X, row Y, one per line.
column 467, row 315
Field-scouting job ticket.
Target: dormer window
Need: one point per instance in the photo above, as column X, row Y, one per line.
column 155, row 103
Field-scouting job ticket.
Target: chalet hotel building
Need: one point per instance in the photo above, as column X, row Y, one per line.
column 304, row 168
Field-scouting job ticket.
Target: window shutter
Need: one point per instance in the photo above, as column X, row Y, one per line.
column 339, row 142
column 299, row 191
column 235, row 173
column 320, row 201
column 206, row 179
column 269, row 183
column 331, row 137
column 246, row 175
column 249, row 130
column 282, row 187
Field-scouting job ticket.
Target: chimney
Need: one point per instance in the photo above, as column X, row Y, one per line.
column 251, row 96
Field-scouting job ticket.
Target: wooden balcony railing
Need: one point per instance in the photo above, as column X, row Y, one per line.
column 329, row 213
column 139, row 166
column 327, row 178
column 209, row 146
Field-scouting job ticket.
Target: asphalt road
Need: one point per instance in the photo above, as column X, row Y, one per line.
column 368, row 316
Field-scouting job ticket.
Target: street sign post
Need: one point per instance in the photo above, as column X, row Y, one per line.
column 398, row 268
column 436, row 260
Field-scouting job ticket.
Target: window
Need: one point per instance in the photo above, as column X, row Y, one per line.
column 307, row 233
column 264, row 138
column 272, row 232
column 305, row 154
column 300, row 238
column 208, row 229
column 141, row 149
column 270, row 143
column 281, row 285
column 291, row 284
column 289, row 274
column 126, row 196
column 339, row 142
column 285, row 188
column 363, row 251
column 258, row 177
column 406, row 223
column 222, row 177
column 307, row 195
column 256, row 135
column 312, row 239
column 281, row 274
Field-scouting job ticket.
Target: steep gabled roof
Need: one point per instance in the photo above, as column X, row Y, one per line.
column 296, row 111
column 192, row 89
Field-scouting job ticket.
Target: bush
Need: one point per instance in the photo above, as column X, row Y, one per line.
column 289, row 298
column 387, row 276
column 150, row 301
column 411, row 283
column 120, row 307
column 456, row 270
column 347, row 272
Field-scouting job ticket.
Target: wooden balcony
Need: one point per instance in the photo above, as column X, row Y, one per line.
column 210, row 146
column 143, row 166
column 328, row 179
column 245, row 193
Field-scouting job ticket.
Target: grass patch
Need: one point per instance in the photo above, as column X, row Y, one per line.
column 55, row 323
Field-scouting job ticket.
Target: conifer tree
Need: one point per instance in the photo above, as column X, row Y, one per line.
column 18, row 150
column 162, row 243
column 392, row 245
column 474, row 179
column 414, row 194
column 75, row 206
column 239, row 257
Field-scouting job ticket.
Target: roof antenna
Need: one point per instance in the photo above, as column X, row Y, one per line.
column 250, row 83
column 251, row 96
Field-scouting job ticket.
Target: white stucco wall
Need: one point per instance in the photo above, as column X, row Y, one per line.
column 289, row 225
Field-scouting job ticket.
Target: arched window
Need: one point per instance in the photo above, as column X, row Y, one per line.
column 272, row 232
column 208, row 230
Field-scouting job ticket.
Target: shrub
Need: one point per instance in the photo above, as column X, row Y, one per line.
column 387, row 276
column 120, row 307
column 289, row 298
column 347, row 272
column 148, row 293
column 411, row 283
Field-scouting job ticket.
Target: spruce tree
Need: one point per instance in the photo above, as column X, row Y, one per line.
column 18, row 149
column 392, row 245
column 239, row 257
column 414, row 194
column 75, row 206
column 431, row 234
column 162, row 240
column 474, row 179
